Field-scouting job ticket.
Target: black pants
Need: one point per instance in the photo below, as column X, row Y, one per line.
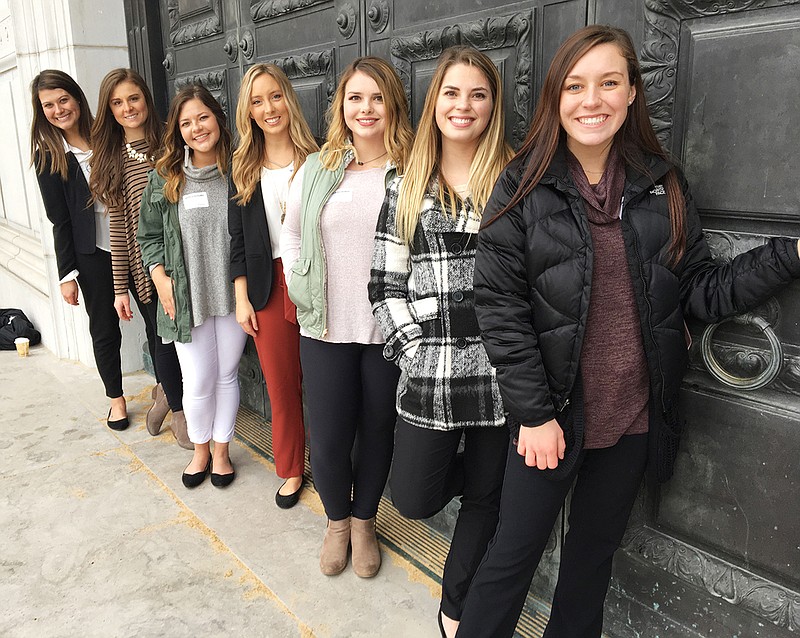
column 350, row 389
column 428, row 472
column 606, row 487
column 163, row 355
column 97, row 286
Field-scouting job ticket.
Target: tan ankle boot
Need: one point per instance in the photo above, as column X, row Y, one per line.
column 333, row 556
column 178, row 426
column 366, row 553
column 157, row 411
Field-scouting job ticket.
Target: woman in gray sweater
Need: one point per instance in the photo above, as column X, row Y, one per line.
column 183, row 232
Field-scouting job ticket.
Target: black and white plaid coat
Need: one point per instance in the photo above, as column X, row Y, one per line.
column 423, row 300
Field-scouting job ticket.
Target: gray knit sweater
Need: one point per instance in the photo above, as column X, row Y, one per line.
column 206, row 244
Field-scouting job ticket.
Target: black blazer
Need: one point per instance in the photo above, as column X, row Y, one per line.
column 69, row 207
column 251, row 250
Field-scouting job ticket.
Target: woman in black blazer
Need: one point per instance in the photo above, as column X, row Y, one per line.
column 60, row 152
column 274, row 140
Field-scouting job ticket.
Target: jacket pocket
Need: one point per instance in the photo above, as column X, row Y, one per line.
column 424, row 309
column 167, row 328
column 299, row 286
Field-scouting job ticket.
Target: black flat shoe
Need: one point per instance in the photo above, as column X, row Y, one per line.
column 222, row 480
column 193, row 480
column 119, row 424
column 289, row 500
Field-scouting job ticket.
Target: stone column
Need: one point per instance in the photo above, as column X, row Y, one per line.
column 86, row 39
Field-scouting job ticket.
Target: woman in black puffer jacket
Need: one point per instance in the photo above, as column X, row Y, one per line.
column 590, row 256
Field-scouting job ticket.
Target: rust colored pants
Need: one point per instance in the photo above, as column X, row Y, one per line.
column 278, row 346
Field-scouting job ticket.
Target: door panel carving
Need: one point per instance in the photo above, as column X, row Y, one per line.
column 214, row 81
column 312, row 76
column 266, row 9
column 193, row 19
column 506, row 39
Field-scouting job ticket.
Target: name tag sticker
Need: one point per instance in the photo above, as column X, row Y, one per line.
column 195, row 200
column 341, row 196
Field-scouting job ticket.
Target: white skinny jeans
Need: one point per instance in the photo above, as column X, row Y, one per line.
column 210, row 366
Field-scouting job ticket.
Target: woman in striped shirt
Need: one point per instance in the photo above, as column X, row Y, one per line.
column 124, row 138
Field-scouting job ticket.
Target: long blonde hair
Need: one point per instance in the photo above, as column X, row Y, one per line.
column 397, row 136
column 108, row 137
column 170, row 164
column 248, row 158
column 47, row 141
column 491, row 155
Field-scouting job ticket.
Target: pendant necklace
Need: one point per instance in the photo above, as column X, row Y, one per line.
column 282, row 204
column 276, row 187
column 275, row 164
column 372, row 160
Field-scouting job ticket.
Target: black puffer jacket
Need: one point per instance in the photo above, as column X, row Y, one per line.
column 533, row 276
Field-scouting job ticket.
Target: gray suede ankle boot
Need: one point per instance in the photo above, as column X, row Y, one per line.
column 366, row 553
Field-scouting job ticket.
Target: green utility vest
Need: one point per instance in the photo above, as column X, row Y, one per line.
column 307, row 284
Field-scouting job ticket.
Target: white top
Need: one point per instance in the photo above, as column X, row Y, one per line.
column 102, row 235
column 102, row 238
column 347, row 227
column 275, row 190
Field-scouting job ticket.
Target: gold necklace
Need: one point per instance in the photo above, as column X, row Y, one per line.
column 276, row 190
column 372, row 160
column 282, row 204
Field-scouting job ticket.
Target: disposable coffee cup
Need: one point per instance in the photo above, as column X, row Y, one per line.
column 23, row 344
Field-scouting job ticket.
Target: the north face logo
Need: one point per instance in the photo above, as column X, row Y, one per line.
column 658, row 190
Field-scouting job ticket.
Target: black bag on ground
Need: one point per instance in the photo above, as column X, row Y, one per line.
column 13, row 324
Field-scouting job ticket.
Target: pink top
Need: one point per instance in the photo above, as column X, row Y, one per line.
column 347, row 228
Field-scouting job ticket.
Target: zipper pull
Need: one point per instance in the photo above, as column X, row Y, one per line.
column 621, row 206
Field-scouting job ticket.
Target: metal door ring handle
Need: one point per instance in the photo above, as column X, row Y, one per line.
column 765, row 377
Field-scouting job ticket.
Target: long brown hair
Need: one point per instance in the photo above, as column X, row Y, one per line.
column 46, row 139
column 170, row 164
column 248, row 158
column 397, row 136
column 635, row 138
column 491, row 155
column 108, row 137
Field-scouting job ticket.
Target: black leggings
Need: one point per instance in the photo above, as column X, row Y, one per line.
column 163, row 355
column 427, row 473
column 96, row 281
column 607, row 483
column 350, row 389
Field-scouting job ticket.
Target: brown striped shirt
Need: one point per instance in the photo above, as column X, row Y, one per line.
column 126, row 256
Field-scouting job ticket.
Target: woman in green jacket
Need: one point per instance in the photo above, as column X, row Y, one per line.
column 183, row 233
column 326, row 245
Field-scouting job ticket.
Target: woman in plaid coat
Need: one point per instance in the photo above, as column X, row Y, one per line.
column 421, row 294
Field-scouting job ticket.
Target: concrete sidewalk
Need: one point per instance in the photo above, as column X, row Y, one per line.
column 98, row 537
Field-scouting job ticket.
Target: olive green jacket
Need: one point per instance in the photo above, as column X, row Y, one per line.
column 159, row 236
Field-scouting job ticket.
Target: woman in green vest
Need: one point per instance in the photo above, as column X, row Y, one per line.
column 326, row 244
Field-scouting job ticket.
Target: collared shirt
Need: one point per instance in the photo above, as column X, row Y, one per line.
column 102, row 237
